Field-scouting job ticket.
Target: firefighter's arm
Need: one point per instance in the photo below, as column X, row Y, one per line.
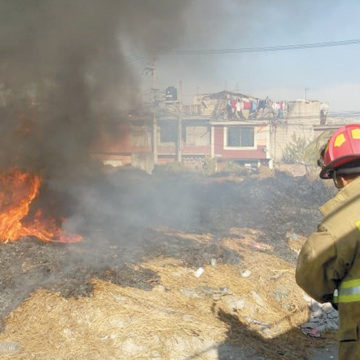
column 318, row 269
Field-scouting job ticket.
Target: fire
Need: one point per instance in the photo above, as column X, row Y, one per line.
column 18, row 189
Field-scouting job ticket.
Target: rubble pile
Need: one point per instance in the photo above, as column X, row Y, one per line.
column 323, row 318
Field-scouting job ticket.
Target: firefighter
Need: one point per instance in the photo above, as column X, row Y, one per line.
column 328, row 267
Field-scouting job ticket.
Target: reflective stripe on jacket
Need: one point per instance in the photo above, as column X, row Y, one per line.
column 348, row 291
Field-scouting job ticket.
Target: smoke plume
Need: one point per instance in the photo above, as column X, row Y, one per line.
column 63, row 70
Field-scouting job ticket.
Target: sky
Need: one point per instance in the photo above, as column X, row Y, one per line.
column 331, row 75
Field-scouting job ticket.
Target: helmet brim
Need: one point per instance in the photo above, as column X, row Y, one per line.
column 327, row 171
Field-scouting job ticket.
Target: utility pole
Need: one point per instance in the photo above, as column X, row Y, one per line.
column 306, row 91
column 155, row 123
column 179, row 140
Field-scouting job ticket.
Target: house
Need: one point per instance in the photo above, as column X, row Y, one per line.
column 261, row 131
column 205, row 129
column 125, row 140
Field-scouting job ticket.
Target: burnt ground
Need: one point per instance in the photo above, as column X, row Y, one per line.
column 118, row 218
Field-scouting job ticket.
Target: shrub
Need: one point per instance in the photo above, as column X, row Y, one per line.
column 294, row 151
column 209, row 167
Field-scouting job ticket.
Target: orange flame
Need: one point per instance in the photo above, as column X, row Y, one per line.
column 18, row 191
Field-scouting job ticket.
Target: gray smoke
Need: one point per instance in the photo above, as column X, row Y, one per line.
column 63, row 70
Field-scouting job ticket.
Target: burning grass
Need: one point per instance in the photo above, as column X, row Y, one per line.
column 18, row 192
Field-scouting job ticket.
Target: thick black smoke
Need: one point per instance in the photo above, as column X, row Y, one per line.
column 63, row 70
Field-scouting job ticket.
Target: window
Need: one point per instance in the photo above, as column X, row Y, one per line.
column 168, row 131
column 197, row 135
column 240, row 136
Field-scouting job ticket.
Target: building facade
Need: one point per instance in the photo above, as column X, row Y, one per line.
column 224, row 126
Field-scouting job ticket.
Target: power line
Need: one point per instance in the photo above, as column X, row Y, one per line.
column 324, row 44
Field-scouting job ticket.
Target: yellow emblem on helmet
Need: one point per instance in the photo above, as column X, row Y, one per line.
column 355, row 134
column 340, row 139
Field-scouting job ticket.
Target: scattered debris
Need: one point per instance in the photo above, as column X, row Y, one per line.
column 9, row 347
column 310, row 331
column 235, row 303
column 295, row 241
column 278, row 274
column 255, row 245
column 206, row 292
column 257, row 322
column 258, row 299
column 199, row 272
column 246, row 273
column 281, row 293
column 323, row 317
column 263, row 247
column 131, row 348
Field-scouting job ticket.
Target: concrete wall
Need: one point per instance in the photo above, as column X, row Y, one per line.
column 302, row 116
column 301, row 111
column 282, row 135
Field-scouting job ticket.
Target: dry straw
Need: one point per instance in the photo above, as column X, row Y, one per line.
column 182, row 318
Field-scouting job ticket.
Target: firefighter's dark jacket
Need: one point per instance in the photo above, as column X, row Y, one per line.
column 331, row 256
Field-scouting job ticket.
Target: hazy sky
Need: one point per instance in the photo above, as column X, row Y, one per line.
column 330, row 74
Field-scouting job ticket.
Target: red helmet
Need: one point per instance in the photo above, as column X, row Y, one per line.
column 343, row 148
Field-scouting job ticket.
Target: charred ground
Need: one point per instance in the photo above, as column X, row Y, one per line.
column 125, row 220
